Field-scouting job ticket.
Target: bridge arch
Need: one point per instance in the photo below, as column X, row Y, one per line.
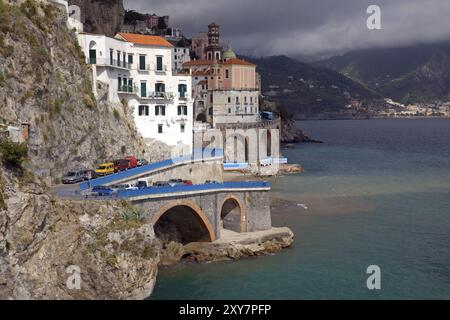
column 232, row 213
column 183, row 221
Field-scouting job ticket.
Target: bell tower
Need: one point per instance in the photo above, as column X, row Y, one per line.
column 213, row 51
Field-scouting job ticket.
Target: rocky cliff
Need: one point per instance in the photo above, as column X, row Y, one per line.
column 45, row 83
column 101, row 16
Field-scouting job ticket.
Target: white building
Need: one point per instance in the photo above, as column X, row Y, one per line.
column 138, row 68
column 180, row 55
column 73, row 14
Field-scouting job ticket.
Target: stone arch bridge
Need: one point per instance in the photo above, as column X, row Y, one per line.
column 198, row 213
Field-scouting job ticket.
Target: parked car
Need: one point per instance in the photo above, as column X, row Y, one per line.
column 90, row 174
column 120, row 165
column 212, row 182
column 160, row 184
column 73, row 177
column 105, row 169
column 102, row 191
column 125, row 186
column 142, row 184
column 187, row 183
column 132, row 162
column 142, row 162
column 175, row 182
column 267, row 115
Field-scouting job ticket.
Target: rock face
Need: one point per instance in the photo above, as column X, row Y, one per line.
column 290, row 133
column 41, row 237
column 49, row 87
column 240, row 246
column 101, row 16
column 45, row 83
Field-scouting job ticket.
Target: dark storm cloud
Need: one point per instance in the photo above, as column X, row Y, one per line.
column 267, row 27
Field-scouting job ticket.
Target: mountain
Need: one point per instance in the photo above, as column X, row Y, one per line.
column 412, row 74
column 308, row 91
column 101, row 16
column 46, row 86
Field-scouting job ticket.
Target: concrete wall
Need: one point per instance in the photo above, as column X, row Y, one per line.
column 198, row 173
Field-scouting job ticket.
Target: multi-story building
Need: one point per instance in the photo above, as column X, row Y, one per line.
column 181, row 55
column 231, row 86
column 138, row 68
column 199, row 44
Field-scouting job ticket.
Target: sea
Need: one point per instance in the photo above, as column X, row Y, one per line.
column 375, row 193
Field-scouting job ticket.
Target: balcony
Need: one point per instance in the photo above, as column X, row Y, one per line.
column 109, row 63
column 127, row 89
column 183, row 97
column 162, row 70
column 152, row 95
column 143, row 68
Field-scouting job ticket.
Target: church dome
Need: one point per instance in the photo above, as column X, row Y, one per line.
column 229, row 54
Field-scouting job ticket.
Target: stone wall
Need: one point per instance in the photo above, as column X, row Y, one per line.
column 255, row 214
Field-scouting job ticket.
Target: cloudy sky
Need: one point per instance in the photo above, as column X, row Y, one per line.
column 306, row 27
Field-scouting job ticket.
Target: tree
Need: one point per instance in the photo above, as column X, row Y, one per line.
column 13, row 154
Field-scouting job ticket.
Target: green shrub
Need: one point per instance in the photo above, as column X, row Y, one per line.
column 116, row 115
column 132, row 214
column 89, row 102
column 13, row 154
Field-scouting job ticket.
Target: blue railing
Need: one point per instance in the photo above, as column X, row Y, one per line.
column 202, row 187
column 198, row 154
column 235, row 166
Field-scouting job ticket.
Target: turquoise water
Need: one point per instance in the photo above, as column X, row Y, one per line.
column 377, row 192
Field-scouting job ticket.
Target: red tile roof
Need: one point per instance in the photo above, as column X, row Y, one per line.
column 209, row 62
column 145, row 39
column 238, row 61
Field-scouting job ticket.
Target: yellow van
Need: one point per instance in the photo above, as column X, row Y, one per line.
column 105, row 169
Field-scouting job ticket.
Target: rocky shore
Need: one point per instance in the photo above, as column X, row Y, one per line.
column 231, row 246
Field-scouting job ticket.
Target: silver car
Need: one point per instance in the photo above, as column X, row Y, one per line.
column 73, row 177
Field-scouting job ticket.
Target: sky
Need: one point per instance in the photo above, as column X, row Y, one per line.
column 306, row 27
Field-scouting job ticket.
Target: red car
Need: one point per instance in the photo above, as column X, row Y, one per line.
column 121, row 165
column 132, row 162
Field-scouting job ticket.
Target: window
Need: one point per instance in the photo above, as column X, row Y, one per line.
column 182, row 128
column 118, row 58
column 142, row 62
column 130, row 60
column 143, row 89
column 251, row 100
column 159, row 63
column 229, row 99
column 124, row 60
column 160, row 128
column 111, row 57
column 160, row 87
column 182, row 110
column 237, row 100
column 245, row 99
column 119, row 83
column 144, row 111
column 227, row 73
column 182, row 88
column 160, row 110
column 229, row 110
column 130, row 85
